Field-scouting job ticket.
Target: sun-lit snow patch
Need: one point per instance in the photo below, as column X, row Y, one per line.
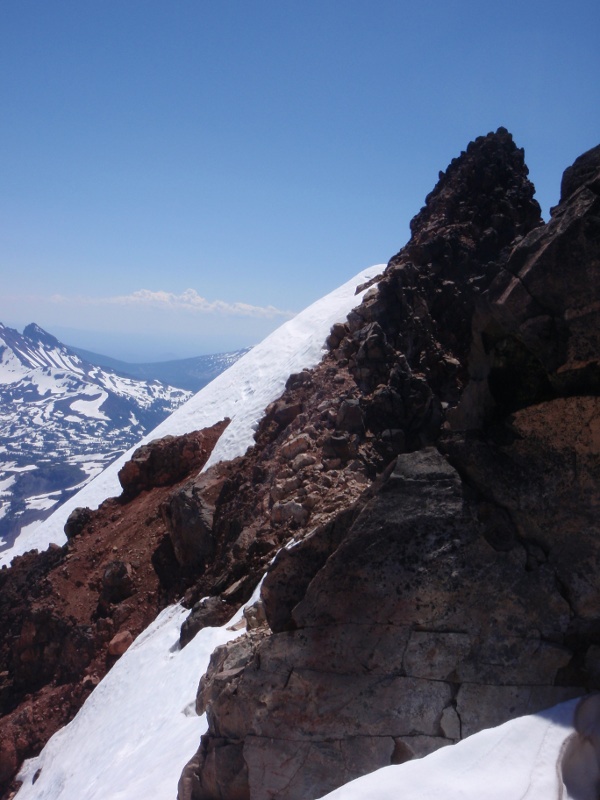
column 43, row 501
column 91, row 407
column 11, row 369
column 516, row 760
column 43, row 382
column 30, row 527
column 6, row 483
column 242, row 393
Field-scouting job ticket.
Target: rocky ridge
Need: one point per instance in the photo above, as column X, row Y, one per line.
column 458, row 589
column 437, row 475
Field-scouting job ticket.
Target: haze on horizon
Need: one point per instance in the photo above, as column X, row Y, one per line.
column 180, row 179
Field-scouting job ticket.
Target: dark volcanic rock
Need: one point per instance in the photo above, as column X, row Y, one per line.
column 409, row 340
column 189, row 516
column 78, row 519
column 422, row 655
column 584, row 170
column 117, row 583
column 208, row 612
column 536, row 332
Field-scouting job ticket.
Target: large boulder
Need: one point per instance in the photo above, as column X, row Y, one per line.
column 166, row 461
column 188, row 515
column 415, row 631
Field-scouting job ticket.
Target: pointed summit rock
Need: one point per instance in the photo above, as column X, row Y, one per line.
column 479, row 205
column 37, row 334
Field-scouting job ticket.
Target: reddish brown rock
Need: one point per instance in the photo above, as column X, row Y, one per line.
column 120, row 643
column 9, row 760
column 166, row 461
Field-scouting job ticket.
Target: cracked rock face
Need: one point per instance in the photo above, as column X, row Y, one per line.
column 398, row 646
column 459, row 589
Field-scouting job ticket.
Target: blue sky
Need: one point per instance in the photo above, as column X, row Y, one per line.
column 178, row 176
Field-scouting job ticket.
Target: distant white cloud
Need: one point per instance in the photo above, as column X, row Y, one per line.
column 189, row 300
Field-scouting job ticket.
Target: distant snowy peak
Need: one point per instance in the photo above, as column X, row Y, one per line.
column 62, row 420
column 37, row 351
column 33, row 349
column 37, row 334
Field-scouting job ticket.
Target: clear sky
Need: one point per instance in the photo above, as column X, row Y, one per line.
column 178, row 175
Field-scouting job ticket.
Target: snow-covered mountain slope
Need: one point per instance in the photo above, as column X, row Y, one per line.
column 62, row 421
column 242, row 393
column 138, row 728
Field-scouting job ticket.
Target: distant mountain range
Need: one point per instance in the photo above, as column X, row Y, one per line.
column 65, row 414
column 185, row 373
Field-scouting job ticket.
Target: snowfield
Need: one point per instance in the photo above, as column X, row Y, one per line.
column 515, row 761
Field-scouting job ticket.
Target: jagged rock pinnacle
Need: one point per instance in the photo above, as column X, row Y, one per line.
column 479, row 205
